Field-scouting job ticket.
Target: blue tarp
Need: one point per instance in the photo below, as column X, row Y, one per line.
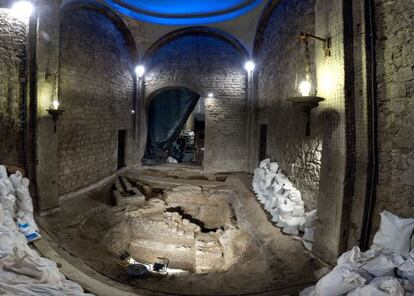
column 167, row 114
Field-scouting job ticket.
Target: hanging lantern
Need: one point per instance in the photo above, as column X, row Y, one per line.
column 306, row 98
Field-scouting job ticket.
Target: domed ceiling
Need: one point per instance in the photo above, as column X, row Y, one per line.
column 183, row 12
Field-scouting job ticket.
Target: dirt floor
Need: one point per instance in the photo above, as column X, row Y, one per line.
column 258, row 260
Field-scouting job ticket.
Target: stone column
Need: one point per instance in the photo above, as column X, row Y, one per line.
column 47, row 72
column 252, row 139
column 335, row 84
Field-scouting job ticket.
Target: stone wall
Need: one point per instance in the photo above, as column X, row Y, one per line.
column 280, row 58
column 206, row 64
column 12, row 73
column 96, row 88
column 395, row 78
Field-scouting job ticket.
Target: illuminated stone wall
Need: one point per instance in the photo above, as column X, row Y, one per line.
column 96, row 91
column 280, row 59
column 395, row 78
column 12, row 51
column 206, row 64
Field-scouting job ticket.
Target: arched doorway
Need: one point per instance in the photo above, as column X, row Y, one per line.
column 176, row 125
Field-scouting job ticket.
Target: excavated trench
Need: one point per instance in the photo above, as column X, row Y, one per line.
column 220, row 241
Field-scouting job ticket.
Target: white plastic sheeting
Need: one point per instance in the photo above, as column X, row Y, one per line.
column 387, row 269
column 22, row 270
column 283, row 201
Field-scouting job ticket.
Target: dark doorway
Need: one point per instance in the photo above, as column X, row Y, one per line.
column 121, row 148
column 263, row 142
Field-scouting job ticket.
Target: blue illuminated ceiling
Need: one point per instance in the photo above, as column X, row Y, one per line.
column 183, row 12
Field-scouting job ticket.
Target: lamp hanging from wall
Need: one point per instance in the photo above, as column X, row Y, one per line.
column 306, row 93
column 54, row 110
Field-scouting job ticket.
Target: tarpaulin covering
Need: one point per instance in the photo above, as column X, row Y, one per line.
column 167, row 115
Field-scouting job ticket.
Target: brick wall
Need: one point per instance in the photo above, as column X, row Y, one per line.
column 280, row 59
column 208, row 64
column 96, row 90
column 12, row 49
column 395, row 77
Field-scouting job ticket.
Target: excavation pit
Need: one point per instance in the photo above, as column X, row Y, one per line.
column 218, row 240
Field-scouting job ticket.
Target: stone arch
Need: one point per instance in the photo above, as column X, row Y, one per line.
column 103, row 9
column 205, row 61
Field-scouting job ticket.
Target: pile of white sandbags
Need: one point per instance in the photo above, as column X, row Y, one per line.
column 386, row 269
column 283, row 201
column 15, row 198
column 22, row 270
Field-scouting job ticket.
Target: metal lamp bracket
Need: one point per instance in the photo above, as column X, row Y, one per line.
column 326, row 42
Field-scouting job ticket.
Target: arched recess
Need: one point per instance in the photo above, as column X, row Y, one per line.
column 207, row 61
column 97, row 92
column 172, row 113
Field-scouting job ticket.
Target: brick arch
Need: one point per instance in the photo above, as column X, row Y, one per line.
column 72, row 6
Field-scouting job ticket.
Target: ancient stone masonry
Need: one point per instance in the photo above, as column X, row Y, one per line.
column 12, row 50
column 395, row 78
column 281, row 58
column 96, row 91
column 208, row 64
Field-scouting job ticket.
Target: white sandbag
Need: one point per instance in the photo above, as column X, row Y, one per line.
column 341, row 280
column 298, row 211
column 264, row 163
column 10, row 237
column 24, row 200
column 9, row 204
column 171, row 160
column 16, row 179
column 274, row 167
column 6, row 187
column 309, row 234
column 406, row 270
column 291, row 227
column 308, row 245
column 295, row 196
column 26, row 263
column 383, row 265
column 310, row 218
column 390, row 285
column 285, row 210
column 394, row 234
column 3, row 172
column 309, row 291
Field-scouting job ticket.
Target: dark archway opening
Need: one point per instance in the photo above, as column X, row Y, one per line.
column 176, row 125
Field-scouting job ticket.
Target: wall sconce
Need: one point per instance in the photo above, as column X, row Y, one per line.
column 307, row 98
column 55, row 112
